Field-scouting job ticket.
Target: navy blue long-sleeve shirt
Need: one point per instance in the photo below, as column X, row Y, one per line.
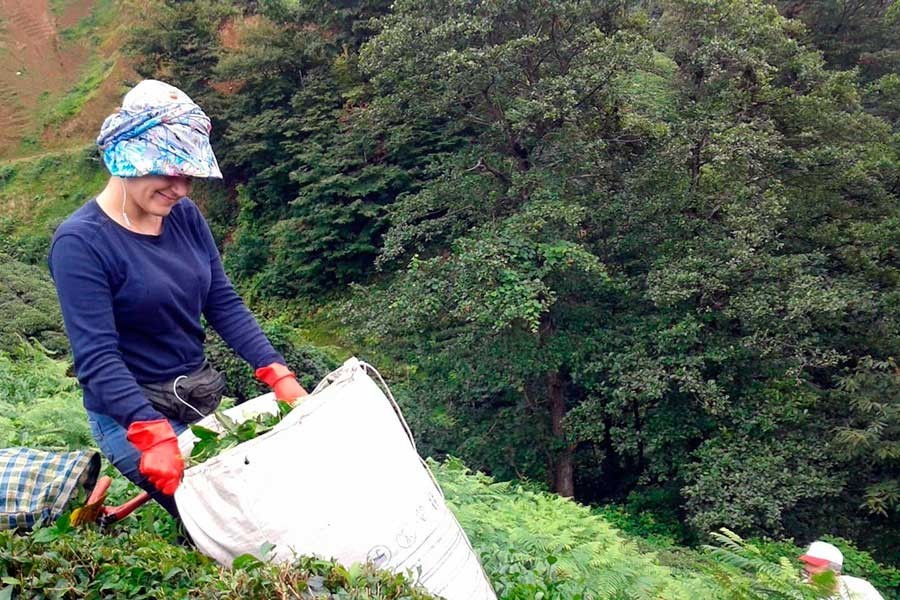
column 132, row 303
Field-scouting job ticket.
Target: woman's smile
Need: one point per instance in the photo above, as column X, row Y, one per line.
column 169, row 198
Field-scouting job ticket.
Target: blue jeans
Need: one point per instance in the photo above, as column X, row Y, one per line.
column 110, row 438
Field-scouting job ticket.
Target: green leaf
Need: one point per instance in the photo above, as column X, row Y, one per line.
column 204, row 433
column 246, row 562
column 45, row 535
column 266, row 548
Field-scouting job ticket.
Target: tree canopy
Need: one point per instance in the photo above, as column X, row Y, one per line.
column 639, row 250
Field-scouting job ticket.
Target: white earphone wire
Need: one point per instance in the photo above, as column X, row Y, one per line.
column 124, row 198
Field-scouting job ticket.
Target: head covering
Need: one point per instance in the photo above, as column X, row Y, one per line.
column 158, row 130
column 822, row 554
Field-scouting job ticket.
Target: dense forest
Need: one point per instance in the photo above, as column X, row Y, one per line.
column 642, row 251
column 638, row 253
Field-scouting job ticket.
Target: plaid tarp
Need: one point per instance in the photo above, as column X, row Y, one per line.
column 35, row 485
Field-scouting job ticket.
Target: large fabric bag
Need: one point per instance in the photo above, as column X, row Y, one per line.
column 338, row 478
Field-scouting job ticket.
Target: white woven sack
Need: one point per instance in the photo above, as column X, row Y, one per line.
column 338, row 478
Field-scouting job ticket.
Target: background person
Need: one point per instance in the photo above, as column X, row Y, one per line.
column 822, row 556
column 135, row 269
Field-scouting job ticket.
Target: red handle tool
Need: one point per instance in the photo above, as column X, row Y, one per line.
column 95, row 512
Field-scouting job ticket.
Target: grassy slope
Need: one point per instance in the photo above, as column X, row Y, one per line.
column 37, row 193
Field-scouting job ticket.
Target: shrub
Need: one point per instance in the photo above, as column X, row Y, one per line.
column 28, row 307
column 94, row 564
column 308, row 362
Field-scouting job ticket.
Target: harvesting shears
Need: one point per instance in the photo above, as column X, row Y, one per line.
column 94, row 511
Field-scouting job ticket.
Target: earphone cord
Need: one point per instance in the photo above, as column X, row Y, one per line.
column 125, row 214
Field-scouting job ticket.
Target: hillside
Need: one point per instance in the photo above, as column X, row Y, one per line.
column 533, row 545
column 630, row 269
column 60, row 72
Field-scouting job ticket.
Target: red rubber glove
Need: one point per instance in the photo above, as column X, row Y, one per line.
column 161, row 461
column 282, row 381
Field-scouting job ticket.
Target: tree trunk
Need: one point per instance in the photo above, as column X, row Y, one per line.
column 563, row 463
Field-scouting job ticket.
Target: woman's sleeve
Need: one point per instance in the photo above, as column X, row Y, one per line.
column 229, row 316
column 85, row 298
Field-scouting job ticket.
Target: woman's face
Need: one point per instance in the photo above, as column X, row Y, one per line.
column 157, row 194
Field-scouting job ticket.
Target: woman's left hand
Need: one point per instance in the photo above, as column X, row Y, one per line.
column 282, row 381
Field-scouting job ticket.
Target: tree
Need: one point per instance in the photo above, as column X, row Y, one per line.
column 650, row 264
column 632, row 248
column 851, row 33
column 506, row 280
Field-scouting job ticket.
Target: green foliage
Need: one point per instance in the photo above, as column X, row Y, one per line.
column 309, row 363
column 346, row 173
column 652, row 517
column 873, row 427
column 852, row 33
column 505, row 273
column 350, row 21
column 96, row 25
column 180, row 44
column 248, row 251
column 210, row 443
column 36, row 194
column 538, row 545
column 75, row 98
column 89, row 563
column 726, row 486
column 645, row 283
column 29, row 309
column 883, row 98
column 41, row 404
column 58, row 6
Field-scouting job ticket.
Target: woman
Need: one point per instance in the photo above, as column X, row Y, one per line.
column 135, row 269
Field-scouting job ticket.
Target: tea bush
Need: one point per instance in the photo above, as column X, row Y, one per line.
column 28, row 306
column 91, row 564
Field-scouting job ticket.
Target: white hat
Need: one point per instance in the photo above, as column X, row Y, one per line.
column 822, row 554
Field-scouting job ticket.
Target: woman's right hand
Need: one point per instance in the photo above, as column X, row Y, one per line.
column 161, row 460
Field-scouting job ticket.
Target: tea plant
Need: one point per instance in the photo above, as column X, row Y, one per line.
column 92, row 564
column 210, row 442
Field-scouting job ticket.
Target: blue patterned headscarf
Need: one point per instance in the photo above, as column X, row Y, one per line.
column 158, row 130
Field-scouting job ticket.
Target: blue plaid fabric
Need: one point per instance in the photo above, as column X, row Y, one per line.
column 35, row 485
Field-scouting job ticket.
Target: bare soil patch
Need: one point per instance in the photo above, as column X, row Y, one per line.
column 35, row 61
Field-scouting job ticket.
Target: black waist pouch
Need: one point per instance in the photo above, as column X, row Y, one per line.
column 188, row 398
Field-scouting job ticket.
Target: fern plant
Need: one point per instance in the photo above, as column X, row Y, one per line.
column 40, row 405
column 751, row 575
column 538, row 545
